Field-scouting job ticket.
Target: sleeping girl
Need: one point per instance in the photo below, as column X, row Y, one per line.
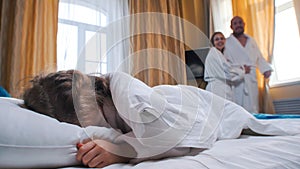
column 145, row 123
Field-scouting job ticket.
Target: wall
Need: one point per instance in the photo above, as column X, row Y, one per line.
column 284, row 92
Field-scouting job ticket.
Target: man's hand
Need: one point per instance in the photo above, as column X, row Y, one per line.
column 267, row 74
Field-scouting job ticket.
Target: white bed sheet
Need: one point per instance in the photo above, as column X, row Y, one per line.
column 247, row 152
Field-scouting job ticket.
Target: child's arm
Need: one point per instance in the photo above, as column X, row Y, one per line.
column 101, row 153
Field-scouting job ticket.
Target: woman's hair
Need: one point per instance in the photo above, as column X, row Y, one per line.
column 67, row 96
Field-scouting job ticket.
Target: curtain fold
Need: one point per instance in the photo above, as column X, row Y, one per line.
column 259, row 18
column 222, row 14
column 157, row 47
column 196, row 25
column 27, row 42
column 297, row 11
column 162, row 30
column 197, row 13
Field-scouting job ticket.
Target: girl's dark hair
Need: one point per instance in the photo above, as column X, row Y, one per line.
column 65, row 95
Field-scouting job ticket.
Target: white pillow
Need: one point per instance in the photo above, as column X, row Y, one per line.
column 29, row 139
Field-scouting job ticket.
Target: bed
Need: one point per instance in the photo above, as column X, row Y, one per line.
column 244, row 153
column 32, row 140
column 31, row 147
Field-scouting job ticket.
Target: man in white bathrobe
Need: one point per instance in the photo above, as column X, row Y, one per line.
column 243, row 51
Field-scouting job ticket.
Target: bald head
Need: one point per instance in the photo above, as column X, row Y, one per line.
column 236, row 18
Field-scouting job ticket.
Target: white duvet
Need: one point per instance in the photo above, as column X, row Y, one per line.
column 164, row 117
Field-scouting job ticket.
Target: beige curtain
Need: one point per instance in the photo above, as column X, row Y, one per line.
column 196, row 13
column 157, row 50
column 259, row 18
column 197, row 30
column 27, row 40
column 161, row 29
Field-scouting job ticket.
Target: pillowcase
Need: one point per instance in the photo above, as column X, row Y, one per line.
column 32, row 140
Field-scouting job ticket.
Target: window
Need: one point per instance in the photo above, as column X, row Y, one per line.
column 79, row 30
column 287, row 43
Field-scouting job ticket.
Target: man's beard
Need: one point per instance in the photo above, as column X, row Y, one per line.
column 237, row 34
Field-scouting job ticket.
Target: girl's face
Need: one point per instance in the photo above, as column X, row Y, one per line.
column 219, row 41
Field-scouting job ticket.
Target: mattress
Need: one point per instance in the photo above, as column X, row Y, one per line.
column 247, row 152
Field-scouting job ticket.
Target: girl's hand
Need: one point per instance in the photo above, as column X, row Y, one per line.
column 93, row 154
column 247, row 69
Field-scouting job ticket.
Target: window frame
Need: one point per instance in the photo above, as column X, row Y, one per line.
column 275, row 82
column 82, row 28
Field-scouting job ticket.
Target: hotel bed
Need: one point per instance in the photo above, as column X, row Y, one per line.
column 246, row 152
column 32, row 140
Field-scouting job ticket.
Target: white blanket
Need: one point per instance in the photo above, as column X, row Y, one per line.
column 164, row 117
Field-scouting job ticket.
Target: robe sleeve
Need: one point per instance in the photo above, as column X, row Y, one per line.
column 262, row 64
column 216, row 66
column 237, row 73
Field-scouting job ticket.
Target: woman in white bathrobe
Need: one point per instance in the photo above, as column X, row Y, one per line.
column 220, row 75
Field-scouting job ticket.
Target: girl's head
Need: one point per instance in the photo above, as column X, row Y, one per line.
column 218, row 40
column 68, row 96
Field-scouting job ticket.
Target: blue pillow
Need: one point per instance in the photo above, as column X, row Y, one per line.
column 3, row 92
column 275, row 116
